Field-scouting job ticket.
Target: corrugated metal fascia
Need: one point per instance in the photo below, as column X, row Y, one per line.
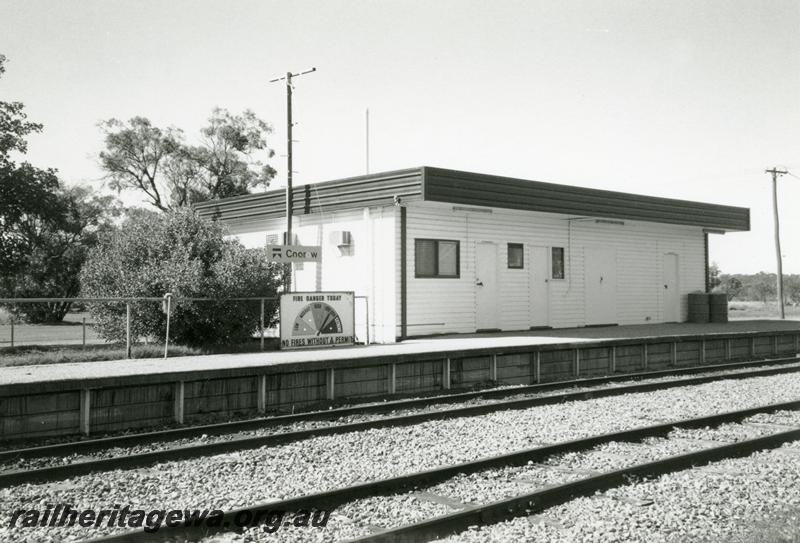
column 552, row 189
column 310, row 196
column 374, row 189
column 448, row 186
column 434, row 173
column 592, row 206
column 408, row 172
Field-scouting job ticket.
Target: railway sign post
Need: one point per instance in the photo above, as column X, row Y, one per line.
column 317, row 319
column 287, row 254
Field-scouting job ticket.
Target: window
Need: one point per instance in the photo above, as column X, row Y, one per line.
column 516, row 256
column 436, row 258
column 557, row 262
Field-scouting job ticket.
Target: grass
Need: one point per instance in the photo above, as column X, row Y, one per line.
column 60, row 354
column 59, row 343
column 760, row 310
column 34, row 355
column 68, row 332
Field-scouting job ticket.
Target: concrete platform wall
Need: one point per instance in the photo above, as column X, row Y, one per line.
column 190, row 398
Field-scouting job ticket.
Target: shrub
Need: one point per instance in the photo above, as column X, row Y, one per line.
column 152, row 254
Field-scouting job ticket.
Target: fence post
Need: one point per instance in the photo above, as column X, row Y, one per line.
column 179, row 408
column 262, row 394
column 168, row 310
column 85, row 411
column 330, row 384
column 12, row 331
column 261, row 324
column 392, row 378
column 83, row 340
column 127, row 330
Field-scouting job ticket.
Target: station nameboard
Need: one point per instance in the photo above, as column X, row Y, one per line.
column 317, row 319
column 285, row 254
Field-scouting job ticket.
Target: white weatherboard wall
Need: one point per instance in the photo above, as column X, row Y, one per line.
column 438, row 305
column 367, row 267
column 371, row 267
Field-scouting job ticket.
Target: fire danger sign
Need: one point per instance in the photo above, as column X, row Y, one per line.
column 317, row 319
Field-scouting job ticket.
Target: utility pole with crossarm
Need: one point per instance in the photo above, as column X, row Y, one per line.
column 775, row 173
column 288, row 241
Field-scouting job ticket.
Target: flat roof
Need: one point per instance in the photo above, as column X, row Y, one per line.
column 458, row 187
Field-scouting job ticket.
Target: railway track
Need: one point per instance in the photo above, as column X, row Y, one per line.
column 522, row 481
column 109, row 457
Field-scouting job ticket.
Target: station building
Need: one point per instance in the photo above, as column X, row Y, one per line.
column 435, row 251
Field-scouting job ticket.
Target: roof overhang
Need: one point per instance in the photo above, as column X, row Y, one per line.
column 472, row 189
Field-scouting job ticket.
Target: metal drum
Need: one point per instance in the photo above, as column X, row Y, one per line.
column 698, row 307
column 718, row 306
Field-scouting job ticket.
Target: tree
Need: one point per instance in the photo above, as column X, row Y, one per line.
column 24, row 190
column 713, row 276
column 14, row 126
column 135, row 154
column 171, row 173
column 155, row 253
column 45, row 228
column 731, row 285
column 791, row 288
column 762, row 287
column 55, row 250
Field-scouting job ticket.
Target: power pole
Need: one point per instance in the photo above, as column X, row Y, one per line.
column 367, row 140
column 288, row 241
column 775, row 173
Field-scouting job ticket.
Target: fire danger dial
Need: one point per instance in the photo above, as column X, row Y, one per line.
column 317, row 318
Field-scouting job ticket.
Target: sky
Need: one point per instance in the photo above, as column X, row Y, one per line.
column 682, row 99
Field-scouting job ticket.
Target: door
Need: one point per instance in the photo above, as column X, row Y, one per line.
column 671, row 291
column 600, row 265
column 486, row 286
column 540, row 294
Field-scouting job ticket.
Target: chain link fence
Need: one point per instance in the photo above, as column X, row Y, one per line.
column 80, row 327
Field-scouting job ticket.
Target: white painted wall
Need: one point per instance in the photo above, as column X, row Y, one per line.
column 448, row 305
column 367, row 267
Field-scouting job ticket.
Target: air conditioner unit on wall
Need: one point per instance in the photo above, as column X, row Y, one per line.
column 344, row 241
column 279, row 238
column 344, row 238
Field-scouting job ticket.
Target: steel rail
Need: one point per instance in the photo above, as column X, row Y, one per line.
column 127, row 440
column 532, row 502
column 449, row 523
column 183, row 452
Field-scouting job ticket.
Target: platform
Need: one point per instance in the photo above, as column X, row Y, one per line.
column 121, row 394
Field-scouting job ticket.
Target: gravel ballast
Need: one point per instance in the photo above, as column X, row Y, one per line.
column 752, row 499
column 115, row 452
column 254, row 476
column 488, row 486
